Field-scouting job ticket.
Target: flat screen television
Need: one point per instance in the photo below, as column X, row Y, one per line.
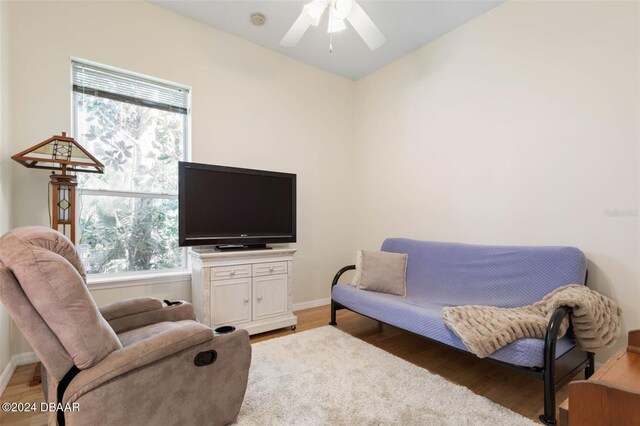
column 235, row 208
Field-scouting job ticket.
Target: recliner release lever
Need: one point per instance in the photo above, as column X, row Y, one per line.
column 169, row 303
column 205, row 358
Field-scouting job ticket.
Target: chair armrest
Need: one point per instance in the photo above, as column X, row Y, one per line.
column 340, row 272
column 139, row 313
column 177, row 337
column 129, row 307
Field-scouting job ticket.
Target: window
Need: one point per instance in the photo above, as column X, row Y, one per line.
column 137, row 127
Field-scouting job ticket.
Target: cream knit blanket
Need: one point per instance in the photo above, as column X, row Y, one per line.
column 485, row 329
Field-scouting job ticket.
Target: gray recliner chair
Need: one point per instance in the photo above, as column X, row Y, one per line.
column 135, row 362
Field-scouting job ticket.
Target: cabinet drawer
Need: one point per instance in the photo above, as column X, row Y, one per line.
column 274, row 268
column 228, row 272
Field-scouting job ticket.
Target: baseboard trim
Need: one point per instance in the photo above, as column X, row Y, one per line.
column 6, row 375
column 25, row 358
column 311, row 304
column 15, row 361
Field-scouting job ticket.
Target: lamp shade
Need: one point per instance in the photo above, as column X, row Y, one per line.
column 59, row 152
column 63, row 153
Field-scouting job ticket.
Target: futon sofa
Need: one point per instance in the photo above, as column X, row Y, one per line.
column 451, row 274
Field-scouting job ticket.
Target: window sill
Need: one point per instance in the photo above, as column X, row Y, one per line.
column 137, row 280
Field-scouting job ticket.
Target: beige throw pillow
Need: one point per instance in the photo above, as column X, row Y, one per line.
column 384, row 272
column 356, row 276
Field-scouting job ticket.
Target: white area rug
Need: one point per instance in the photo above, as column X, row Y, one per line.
column 327, row 377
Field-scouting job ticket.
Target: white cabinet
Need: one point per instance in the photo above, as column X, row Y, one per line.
column 249, row 289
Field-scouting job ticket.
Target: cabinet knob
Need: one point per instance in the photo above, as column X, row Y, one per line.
column 259, row 298
column 270, row 268
column 246, row 300
column 232, row 273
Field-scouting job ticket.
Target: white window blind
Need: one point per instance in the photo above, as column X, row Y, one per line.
column 91, row 80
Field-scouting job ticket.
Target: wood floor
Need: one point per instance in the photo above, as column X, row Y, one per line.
column 518, row 392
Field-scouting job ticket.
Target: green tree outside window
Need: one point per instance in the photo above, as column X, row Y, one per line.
column 128, row 216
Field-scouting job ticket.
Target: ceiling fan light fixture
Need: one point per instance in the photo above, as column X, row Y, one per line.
column 314, row 10
column 339, row 10
column 335, row 24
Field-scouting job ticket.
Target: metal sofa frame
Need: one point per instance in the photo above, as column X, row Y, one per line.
column 554, row 373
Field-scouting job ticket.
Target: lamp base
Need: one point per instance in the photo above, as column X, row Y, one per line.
column 63, row 204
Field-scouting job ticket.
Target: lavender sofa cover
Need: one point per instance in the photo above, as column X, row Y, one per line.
column 451, row 274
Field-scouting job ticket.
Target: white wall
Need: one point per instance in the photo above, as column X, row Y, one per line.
column 5, row 180
column 251, row 108
column 520, row 127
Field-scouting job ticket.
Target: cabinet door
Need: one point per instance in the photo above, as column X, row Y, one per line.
column 269, row 296
column 231, row 301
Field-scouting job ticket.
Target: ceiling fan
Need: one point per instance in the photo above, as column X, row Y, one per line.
column 339, row 10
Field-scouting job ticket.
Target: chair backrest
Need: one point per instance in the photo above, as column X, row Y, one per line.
column 49, row 272
column 467, row 274
column 44, row 342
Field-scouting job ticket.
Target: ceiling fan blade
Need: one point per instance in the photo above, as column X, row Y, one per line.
column 297, row 30
column 365, row 27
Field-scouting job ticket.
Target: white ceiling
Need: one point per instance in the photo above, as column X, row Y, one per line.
column 406, row 24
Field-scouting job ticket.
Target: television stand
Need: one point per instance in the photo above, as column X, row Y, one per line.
column 239, row 247
column 249, row 289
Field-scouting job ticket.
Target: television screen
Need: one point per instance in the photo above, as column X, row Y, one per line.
column 226, row 205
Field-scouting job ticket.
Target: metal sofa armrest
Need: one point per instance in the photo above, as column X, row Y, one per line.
column 335, row 306
column 553, row 328
column 550, row 340
column 340, row 273
column 550, row 380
